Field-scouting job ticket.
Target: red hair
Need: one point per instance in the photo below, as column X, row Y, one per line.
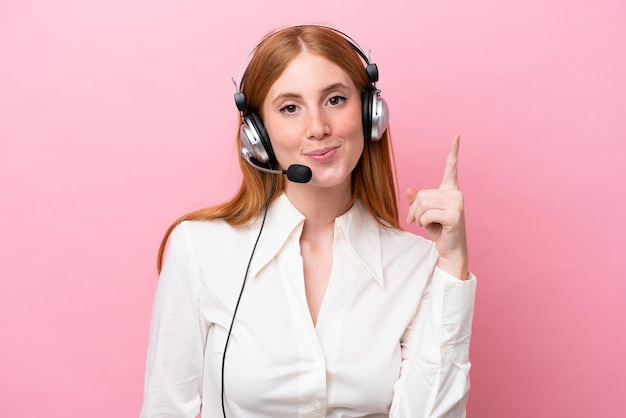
column 373, row 179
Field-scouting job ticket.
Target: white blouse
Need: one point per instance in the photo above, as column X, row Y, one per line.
column 392, row 337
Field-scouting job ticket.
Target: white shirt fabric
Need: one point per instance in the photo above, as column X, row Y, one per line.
column 392, row 337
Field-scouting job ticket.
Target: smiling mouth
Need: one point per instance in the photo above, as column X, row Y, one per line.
column 323, row 155
column 321, row 152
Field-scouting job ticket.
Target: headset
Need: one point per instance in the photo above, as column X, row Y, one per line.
column 256, row 144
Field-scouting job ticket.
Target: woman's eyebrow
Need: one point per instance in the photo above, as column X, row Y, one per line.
column 289, row 95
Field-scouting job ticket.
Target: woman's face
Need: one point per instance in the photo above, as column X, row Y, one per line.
column 312, row 114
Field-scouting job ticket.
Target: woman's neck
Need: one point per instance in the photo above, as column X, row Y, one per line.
column 319, row 205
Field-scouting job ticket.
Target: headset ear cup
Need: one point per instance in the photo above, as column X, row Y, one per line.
column 375, row 115
column 265, row 138
column 380, row 116
column 255, row 140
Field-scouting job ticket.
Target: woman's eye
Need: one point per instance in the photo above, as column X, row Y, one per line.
column 290, row 108
column 336, row 100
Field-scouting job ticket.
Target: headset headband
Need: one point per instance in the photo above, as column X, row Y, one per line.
column 371, row 68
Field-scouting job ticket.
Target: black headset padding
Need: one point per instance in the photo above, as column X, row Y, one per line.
column 366, row 113
column 255, row 122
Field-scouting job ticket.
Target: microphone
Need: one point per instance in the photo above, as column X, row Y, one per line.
column 296, row 173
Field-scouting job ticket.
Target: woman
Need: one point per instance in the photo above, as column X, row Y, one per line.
column 302, row 296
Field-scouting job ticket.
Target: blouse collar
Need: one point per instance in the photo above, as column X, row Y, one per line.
column 284, row 222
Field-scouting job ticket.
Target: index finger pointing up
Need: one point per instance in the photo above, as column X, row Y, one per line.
column 450, row 177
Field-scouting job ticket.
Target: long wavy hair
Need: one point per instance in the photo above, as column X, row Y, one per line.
column 373, row 179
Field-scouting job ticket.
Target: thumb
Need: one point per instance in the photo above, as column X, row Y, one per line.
column 411, row 193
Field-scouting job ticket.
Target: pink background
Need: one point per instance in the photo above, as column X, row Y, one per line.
column 117, row 116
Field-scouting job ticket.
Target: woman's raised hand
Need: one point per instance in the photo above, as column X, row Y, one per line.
column 440, row 211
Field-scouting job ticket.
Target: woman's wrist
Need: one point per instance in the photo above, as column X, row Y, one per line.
column 457, row 268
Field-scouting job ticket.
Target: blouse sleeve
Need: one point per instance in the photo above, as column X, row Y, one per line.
column 174, row 369
column 434, row 379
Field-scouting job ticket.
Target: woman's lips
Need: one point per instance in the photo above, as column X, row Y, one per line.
column 322, row 155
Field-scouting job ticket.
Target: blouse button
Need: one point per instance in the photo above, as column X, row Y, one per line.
column 314, row 406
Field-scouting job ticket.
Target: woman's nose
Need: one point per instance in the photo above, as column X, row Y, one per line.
column 318, row 126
